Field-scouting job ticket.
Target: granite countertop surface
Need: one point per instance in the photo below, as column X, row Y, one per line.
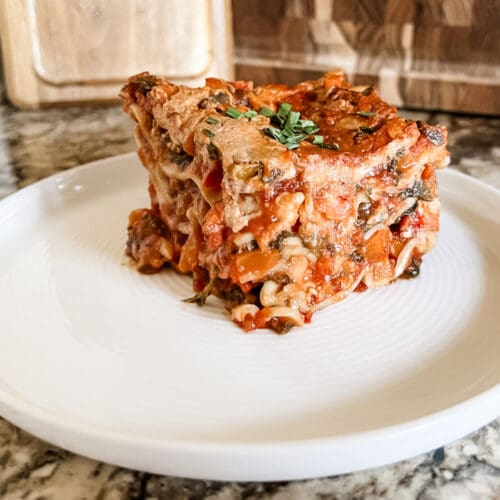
column 35, row 144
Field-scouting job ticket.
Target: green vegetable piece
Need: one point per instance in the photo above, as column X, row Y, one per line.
column 208, row 133
column 283, row 112
column 233, row 113
column 365, row 113
column 290, row 129
column 211, row 120
column 274, row 133
column 293, row 118
column 201, row 297
column 307, row 123
column 266, row 111
column 333, row 146
column 250, row 114
column 318, row 139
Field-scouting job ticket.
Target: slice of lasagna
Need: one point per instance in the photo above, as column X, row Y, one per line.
column 281, row 200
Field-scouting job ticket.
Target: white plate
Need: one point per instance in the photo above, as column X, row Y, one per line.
column 109, row 363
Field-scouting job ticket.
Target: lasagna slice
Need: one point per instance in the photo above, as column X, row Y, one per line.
column 281, row 200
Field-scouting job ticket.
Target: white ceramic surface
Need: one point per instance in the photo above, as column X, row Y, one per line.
column 106, row 362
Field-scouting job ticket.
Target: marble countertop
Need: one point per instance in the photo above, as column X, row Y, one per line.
column 36, row 144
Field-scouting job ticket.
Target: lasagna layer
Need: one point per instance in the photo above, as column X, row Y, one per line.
column 281, row 200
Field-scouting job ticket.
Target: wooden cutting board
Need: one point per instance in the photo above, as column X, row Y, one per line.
column 433, row 54
column 68, row 51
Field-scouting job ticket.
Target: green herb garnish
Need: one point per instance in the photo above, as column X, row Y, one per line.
column 318, row 139
column 290, row 130
column 250, row 114
column 333, row 146
column 283, row 112
column 211, row 120
column 365, row 113
column 266, row 111
column 233, row 113
column 209, row 133
column 201, row 297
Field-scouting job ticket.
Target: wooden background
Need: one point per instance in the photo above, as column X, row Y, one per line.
column 434, row 54
column 58, row 52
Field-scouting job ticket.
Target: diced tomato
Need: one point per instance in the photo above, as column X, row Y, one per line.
column 248, row 323
column 246, row 287
column 428, row 173
column 261, row 318
column 189, row 255
column 243, row 85
column 377, row 247
column 213, row 229
column 324, row 269
column 429, row 221
column 213, row 179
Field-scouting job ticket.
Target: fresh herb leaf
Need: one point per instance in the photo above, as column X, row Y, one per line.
column 266, row 111
column 333, row 146
column 211, row 120
column 318, row 139
column 273, row 132
column 208, row 133
column 290, row 130
column 307, row 124
column 283, row 112
column 310, row 129
column 250, row 114
column 233, row 113
column 365, row 113
column 292, row 119
column 201, row 297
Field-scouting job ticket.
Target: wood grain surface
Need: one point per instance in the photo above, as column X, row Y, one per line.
column 432, row 54
column 75, row 51
column 420, row 53
column 123, row 38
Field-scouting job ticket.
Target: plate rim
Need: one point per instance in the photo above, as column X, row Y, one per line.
column 28, row 416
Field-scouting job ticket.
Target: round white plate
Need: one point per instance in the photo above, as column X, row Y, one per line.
column 109, row 363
